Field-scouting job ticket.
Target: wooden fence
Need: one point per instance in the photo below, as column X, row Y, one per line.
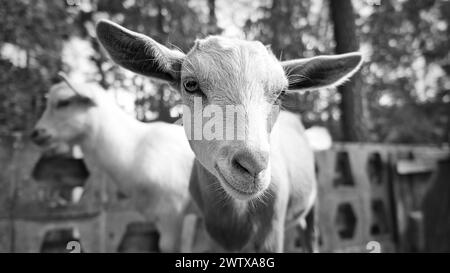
column 370, row 196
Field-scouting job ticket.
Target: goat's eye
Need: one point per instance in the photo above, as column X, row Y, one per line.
column 190, row 85
column 280, row 97
column 63, row 103
column 281, row 94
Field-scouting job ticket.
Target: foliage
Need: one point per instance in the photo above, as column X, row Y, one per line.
column 34, row 32
column 405, row 79
column 406, row 75
column 169, row 22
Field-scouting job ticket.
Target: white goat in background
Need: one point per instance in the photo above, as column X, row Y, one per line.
column 152, row 162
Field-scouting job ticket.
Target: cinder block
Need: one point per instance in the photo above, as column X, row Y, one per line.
column 34, row 199
column 29, row 235
column 357, row 210
column 116, row 223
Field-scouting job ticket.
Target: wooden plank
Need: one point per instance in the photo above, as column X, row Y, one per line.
column 414, row 166
column 436, row 211
column 410, row 189
column 6, row 176
column 188, row 233
column 6, row 235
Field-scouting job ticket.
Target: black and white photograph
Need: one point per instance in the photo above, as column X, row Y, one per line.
column 252, row 127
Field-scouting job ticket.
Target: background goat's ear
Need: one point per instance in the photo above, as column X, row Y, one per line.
column 322, row 71
column 83, row 93
column 139, row 53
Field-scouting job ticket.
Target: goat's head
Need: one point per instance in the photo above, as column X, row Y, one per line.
column 67, row 115
column 220, row 72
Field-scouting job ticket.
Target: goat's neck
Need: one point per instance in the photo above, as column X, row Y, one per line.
column 112, row 141
column 232, row 223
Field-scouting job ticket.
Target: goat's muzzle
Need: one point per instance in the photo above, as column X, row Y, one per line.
column 40, row 137
column 245, row 172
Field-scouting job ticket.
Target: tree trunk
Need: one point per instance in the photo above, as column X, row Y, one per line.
column 275, row 12
column 212, row 23
column 352, row 107
column 163, row 107
column 161, row 20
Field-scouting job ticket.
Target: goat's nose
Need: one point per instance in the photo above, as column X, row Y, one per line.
column 39, row 136
column 251, row 162
column 35, row 133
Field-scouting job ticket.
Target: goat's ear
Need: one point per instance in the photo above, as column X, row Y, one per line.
column 83, row 92
column 322, row 71
column 139, row 53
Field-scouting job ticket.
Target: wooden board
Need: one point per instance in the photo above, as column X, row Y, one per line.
column 6, row 235
column 6, row 176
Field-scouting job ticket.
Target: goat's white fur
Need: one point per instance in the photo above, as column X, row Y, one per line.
column 237, row 72
column 150, row 162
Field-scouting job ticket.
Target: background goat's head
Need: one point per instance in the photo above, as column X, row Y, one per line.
column 220, row 71
column 67, row 116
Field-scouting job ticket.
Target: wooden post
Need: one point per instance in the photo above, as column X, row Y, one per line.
column 436, row 210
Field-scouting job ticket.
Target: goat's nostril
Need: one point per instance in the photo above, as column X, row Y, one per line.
column 34, row 134
column 239, row 166
column 250, row 162
column 39, row 136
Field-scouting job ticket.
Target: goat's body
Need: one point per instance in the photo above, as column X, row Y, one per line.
column 293, row 162
column 258, row 225
column 247, row 187
column 149, row 163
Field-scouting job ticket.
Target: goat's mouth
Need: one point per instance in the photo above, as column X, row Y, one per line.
column 234, row 191
column 43, row 142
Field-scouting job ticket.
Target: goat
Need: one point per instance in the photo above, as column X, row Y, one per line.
column 151, row 162
column 251, row 186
